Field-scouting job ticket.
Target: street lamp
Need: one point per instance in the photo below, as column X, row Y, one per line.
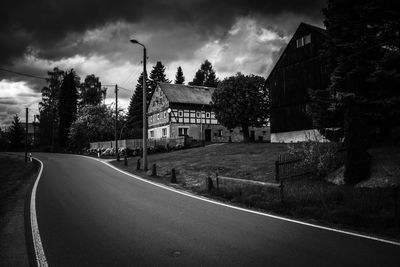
column 133, row 41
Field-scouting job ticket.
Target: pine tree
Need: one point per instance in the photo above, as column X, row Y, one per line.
column 157, row 75
column 67, row 105
column 16, row 133
column 135, row 110
column 205, row 76
column 363, row 52
column 179, row 78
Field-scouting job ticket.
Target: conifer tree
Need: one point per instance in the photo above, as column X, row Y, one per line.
column 205, row 76
column 16, row 133
column 157, row 74
column 179, row 78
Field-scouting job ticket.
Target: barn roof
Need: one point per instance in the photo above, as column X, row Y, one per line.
column 186, row 94
column 302, row 24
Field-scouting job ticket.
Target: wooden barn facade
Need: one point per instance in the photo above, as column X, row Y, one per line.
column 183, row 110
column 298, row 69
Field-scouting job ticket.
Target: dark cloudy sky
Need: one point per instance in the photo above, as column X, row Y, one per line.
column 93, row 37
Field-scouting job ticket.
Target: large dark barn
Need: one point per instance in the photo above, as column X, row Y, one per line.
column 298, row 69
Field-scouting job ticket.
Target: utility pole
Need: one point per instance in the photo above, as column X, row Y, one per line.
column 116, row 122
column 26, row 135
column 144, row 111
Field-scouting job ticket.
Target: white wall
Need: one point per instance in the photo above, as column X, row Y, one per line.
column 298, row 136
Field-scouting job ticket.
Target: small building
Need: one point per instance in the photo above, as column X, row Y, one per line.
column 298, row 69
column 182, row 110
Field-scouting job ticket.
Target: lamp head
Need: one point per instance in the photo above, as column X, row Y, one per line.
column 169, row 110
column 133, row 41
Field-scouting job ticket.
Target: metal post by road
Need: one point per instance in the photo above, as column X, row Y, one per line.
column 26, row 135
column 116, row 122
column 144, row 111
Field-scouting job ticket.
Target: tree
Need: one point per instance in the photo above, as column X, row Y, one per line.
column 3, row 140
column 93, row 123
column 48, row 109
column 179, row 78
column 157, row 75
column 363, row 53
column 241, row 101
column 134, row 122
column 91, row 92
column 205, row 76
column 67, row 107
column 16, row 133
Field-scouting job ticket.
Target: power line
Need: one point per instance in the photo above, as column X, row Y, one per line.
column 23, row 74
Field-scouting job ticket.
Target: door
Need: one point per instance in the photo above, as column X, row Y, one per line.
column 208, row 135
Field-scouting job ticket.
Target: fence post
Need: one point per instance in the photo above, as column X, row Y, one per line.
column 281, row 189
column 138, row 164
column 125, row 160
column 217, row 180
column 209, row 183
column 173, row 176
column 154, row 170
column 277, row 171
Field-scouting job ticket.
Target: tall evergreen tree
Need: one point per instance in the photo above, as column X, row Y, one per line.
column 364, row 53
column 16, row 133
column 67, row 105
column 157, row 74
column 205, row 76
column 48, row 109
column 134, row 122
column 179, row 78
column 91, row 92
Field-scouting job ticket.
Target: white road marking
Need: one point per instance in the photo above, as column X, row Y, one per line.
column 37, row 242
column 246, row 210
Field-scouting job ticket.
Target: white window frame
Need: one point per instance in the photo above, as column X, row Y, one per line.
column 208, row 115
column 183, row 131
column 158, row 116
column 165, row 114
column 152, row 134
column 164, row 130
column 180, row 113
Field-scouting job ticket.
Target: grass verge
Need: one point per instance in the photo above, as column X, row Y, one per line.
column 365, row 210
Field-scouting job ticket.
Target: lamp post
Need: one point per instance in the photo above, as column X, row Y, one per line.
column 144, row 105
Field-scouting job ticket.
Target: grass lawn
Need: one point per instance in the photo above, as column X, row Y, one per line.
column 245, row 161
column 367, row 210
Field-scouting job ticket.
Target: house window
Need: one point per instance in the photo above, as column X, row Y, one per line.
column 158, row 116
column 303, row 41
column 182, row 131
column 152, row 134
column 219, row 133
column 198, row 114
column 180, row 113
column 164, row 132
column 208, row 115
column 151, row 119
column 165, row 114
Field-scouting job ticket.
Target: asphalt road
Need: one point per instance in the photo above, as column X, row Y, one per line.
column 92, row 215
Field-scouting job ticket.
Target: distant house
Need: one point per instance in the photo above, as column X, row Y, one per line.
column 183, row 110
column 298, row 69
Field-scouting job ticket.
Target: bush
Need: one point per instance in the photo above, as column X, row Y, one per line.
column 318, row 158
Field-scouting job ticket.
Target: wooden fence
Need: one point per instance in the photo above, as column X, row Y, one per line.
column 295, row 166
column 136, row 144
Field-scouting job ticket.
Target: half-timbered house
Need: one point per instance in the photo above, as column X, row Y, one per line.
column 298, row 69
column 183, row 110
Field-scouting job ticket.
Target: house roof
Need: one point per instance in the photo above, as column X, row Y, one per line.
column 186, row 94
column 302, row 24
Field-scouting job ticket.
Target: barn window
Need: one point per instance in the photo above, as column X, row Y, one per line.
column 302, row 41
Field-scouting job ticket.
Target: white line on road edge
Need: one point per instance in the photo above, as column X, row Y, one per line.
column 246, row 210
column 37, row 242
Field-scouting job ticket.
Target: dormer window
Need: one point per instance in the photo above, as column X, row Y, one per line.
column 302, row 41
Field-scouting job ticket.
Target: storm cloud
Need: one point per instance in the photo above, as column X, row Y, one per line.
column 93, row 37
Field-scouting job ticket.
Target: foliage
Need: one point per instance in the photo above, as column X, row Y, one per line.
column 179, row 78
column 205, row 76
column 67, row 105
column 93, row 123
column 157, row 75
column 241, row 101
column 363, row 52
column 3, row 140
column 48, row 108
column 135, row 110
column 91, row 92
column 16, row 133
column 317, row 158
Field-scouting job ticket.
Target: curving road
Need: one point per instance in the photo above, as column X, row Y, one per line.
column 92, row 215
